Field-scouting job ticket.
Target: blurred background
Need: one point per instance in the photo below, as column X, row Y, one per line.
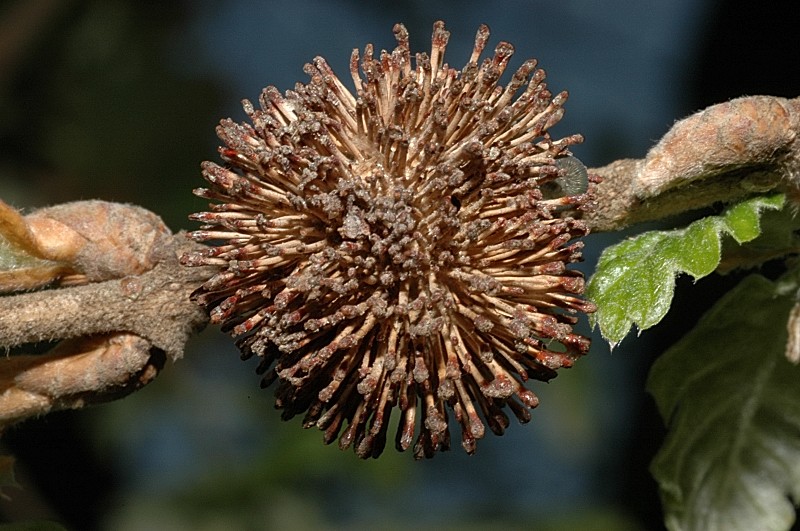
column 118, row 100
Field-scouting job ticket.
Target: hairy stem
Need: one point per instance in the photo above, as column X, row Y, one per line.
column 154, row 305
column 726, row 152
column 115, row 335
column 133, row 308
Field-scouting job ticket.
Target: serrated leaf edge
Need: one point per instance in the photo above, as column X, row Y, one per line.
column 720, row 225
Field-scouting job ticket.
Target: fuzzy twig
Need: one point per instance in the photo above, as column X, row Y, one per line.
column 130, row 310
column 723, row 153
column 154, row 305
column 76, row 373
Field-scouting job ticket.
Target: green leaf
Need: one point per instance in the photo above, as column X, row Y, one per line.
column 635, row 279
column 731, row 400
column 778, row 238
column 14, row 258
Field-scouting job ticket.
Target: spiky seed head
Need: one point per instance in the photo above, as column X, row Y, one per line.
column 403, row 248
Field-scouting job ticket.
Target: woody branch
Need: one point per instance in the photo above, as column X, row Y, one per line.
column 121, row 322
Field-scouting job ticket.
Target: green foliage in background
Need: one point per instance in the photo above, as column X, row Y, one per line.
column 96, row 110
column 732, row 403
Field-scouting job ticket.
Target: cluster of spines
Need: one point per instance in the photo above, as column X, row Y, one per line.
column 393, row 249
